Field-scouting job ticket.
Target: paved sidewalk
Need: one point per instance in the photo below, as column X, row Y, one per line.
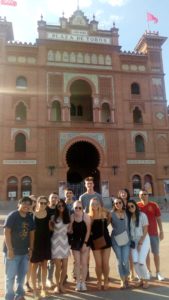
column 157, row 290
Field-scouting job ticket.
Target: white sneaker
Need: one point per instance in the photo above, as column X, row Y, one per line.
column 78, row 287
column 83, row 287
column 159, row 277
column 49, row 283
column 149, row 275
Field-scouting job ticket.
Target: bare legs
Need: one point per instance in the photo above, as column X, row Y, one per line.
column 81, row 264
column 34, row 275
column 60, row 274
column 102, row 266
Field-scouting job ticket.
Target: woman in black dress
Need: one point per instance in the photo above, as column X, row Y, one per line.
column 100, row 218
column 42, row 248
column 80, row 229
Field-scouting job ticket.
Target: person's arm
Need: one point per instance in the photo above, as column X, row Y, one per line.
column 108, row 217
column 88, row 225
column 31, row 242
column 70, row 230
column 8, row 242
column 145, row 231
column 160, row 226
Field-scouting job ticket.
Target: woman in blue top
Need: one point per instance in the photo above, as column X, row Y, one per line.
column 120, row 244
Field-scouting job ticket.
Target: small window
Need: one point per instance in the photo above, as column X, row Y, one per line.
column 139, row 144
column 55, row 111
column 148, row 184
column 20, row 112
column 26, row 186
column 136, row 180
column 105, row 113
column 20, row 143
column 12, row 188
column 21, row 82
column 137, row 116
column 135, row 89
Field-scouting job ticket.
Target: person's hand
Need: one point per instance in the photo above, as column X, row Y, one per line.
column 10, row 254
column 84, row 247
column 161, row 235
column 30, row 253
column 139, row 247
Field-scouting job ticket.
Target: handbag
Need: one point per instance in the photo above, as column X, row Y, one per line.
column 99, row 243
column 122, row 238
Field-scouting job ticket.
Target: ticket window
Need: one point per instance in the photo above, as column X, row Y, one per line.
column 136, row 185
column 12, row 189
column 26, row 186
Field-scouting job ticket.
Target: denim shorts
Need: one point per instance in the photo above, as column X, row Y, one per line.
column 154, row 242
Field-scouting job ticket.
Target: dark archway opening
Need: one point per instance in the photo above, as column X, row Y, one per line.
column 83, row 160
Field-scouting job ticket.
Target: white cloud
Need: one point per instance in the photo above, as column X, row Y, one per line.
column 98, row 13
column 115, row 2
column 108, row 23
column 68, row 7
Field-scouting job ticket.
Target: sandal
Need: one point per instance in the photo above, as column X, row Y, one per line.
column 99, row 285
column 56, row 290
column 106, row 285
column 139, row 284
column 145, row 285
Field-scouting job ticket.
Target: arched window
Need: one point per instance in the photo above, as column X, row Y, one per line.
column 26, row 186
column 73, row 110
column 21, row 82
column 106, row 117
column 20, row 112
column 139, row 144
column 135, row 88
column 12, row 188
column 137, row 116
column 148, row 184
column 79, row 110
column 56, row 111
column 136, row 180
column 20, row 143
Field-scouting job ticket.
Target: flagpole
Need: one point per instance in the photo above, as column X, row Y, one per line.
column 148, row 28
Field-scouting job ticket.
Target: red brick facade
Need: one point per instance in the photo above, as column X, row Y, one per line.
column 73, row 104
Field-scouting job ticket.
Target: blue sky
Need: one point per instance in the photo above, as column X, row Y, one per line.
column 129, row 16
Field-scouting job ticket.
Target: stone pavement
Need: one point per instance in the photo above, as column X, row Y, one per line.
column 157, row 290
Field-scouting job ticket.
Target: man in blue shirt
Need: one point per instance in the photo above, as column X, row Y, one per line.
column 19, row 236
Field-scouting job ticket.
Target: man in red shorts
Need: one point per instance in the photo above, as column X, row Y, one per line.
column 152, row 210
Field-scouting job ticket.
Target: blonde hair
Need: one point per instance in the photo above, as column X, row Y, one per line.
column 101, row 212
column 77, row 202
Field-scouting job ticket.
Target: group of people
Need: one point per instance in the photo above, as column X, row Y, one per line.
column 40, row 235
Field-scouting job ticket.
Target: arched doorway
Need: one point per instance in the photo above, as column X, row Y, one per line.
column 26, row 186
column 81, row 101
column 12, row 188
column 83, row 159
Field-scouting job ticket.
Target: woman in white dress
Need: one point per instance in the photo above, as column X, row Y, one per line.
column 60, row 248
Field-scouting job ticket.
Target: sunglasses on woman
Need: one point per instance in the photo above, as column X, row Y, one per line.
column 131, row 206
column 78, row 207
column 60, row 206
column 119, row 202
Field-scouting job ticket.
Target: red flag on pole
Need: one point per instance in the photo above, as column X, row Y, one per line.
column 151, row 17
column 8, row 2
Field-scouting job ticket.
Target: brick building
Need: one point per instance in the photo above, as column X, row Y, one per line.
column 73, row 104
